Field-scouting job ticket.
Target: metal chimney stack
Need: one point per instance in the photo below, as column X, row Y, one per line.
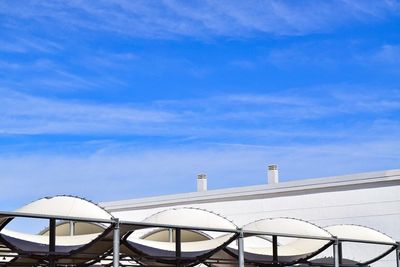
column 201, row 182
column 273, row 174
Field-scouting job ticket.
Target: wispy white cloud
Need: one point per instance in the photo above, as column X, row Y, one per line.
column 202, row 18
column 384, row 58
column 371, row 8
column 387, row 54
column 109, row 59
column 297, row 103
column 296, row 113
column 25, row 114
column 52, row 75
column 29, row 45
column 326, row 56
column 378, row 101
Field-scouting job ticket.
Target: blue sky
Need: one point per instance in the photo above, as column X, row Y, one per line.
column 124, row 99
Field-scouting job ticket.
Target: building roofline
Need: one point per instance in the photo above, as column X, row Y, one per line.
column 290, row 188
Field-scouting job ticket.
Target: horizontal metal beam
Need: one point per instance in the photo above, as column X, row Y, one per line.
column 367, row 242
column 253, row 233
column 177, row 226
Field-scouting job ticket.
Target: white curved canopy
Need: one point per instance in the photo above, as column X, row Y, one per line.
column 191, row 217
column 357, row 232
column 289, row 226
column 69, row 249
column 286, row 246
column 65, row 206
column 193, row 251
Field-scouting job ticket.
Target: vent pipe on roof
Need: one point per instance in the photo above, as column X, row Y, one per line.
column 201, row 182
column 273, row 174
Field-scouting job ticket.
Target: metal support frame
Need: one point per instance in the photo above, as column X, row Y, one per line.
column 116, row 244
column 52, row 241
column 178, row 249
column 241, row 249
column 336, row 253
column 52, row 256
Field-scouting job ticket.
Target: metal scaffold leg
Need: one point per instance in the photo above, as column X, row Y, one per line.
column 52, row 242
column 241, row 250
column 178, row 247
column 275, row 250
column 116, row 244
column 336, row 255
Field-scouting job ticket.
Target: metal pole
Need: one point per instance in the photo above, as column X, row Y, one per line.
column 71, row 228
column 336, row 253
column 116, row 238
column 340, row 253
column 52, row 242
column 178, row 247
column 241, row 249
column 170, row 235
column 275, row 249
column 398, row 255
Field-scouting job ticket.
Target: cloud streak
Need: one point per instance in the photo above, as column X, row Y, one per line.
column 169, row 18
column 25, row 114
column 231, row 116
